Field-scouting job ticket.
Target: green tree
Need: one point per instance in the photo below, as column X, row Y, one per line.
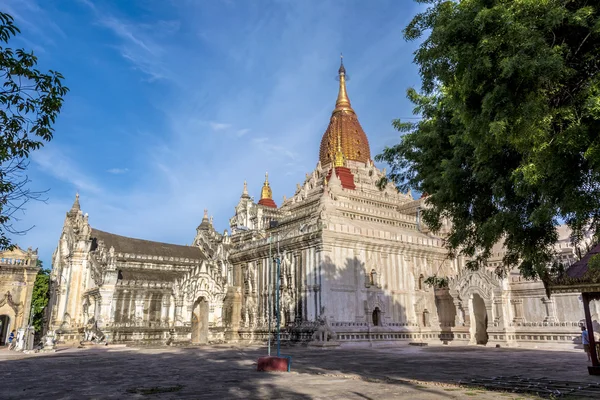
column 29, row 104
column 508, row 143
column 40, row 297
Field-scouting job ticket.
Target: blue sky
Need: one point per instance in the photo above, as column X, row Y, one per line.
column 173, row 104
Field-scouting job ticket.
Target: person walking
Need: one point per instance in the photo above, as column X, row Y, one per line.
column 11, row 340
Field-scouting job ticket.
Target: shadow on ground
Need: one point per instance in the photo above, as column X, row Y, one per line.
column 219, row 372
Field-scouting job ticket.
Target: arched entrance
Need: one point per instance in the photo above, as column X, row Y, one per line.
column 481, row 319
column 4, row 326
column 200, row 321
column 376, row 317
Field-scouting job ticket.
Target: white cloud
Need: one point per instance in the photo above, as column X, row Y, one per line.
column 117, row 171
column 260, row 140
column 140, row 43
column 270, row 114
column 217, row 126
column 56, row 163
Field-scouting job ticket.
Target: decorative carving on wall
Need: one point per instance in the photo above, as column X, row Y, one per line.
column 92, row 333
column 7, row 299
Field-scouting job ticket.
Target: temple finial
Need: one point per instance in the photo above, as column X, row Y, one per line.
column 205, row 214
column 266, row 194
column 76, row 206
column 343, row 102
column 245, row 191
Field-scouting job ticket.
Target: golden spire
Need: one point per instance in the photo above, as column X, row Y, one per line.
column 343, row 102
column 266, row 192
column 340, row 159
column 344, row 130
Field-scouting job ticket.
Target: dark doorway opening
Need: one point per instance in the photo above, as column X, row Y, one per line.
column 481, row 319
column 376, row 317
column 4, row 326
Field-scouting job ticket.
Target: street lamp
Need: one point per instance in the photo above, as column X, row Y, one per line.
column 277, row 285
column 274, row 224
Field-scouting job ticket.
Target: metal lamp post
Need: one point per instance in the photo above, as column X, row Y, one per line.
column 269, row 295
column 277, row 288
column 277, row 305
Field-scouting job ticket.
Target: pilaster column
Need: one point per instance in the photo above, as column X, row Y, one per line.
column 459, row 318
column 178, row 312
column 550, row 310
column 139, row 309
column 164, row 312
column 498, row 319
column 518, row 309
column 472, row 326
column 105, row 314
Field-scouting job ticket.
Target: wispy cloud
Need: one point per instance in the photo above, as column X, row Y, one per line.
column 117, row 171
column 221, row 95
column 56, row 163
column 140, row 43
column 218, row 126
column 260, row 140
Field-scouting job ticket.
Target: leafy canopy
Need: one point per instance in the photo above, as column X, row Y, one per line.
column 509, row 140
column 29, row 104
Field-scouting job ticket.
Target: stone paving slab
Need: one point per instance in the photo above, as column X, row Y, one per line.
column 230, row 372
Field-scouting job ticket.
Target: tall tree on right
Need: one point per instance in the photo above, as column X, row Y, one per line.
column 509, row 140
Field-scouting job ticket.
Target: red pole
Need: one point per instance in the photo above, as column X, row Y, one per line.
column 590, row 328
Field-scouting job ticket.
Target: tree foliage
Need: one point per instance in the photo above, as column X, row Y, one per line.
column 509, row 140
column 40, row 297
column 29, row 104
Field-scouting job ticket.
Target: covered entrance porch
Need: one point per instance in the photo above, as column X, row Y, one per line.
column 583, row 277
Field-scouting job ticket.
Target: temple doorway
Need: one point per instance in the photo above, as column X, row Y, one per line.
column 200, row 322
column 376, row 317
column 481, row 319
column 4, row 326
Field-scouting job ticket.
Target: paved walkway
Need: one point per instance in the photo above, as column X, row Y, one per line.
column 230, row 372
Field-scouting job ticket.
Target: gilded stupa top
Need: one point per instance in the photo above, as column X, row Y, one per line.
column 344, row 131
column 266, row 194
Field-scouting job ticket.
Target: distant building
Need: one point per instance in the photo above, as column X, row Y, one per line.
column 355, row 256
column 18, row 269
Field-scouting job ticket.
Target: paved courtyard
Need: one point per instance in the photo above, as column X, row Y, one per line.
column 351, row 373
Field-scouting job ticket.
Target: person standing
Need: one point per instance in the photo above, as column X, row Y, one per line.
column 585, row 340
